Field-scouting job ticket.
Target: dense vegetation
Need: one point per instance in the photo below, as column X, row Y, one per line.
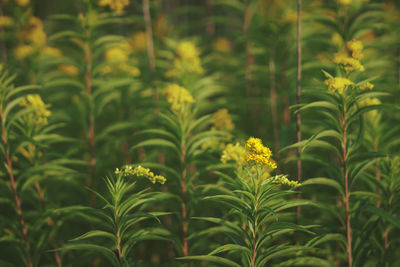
column 200, row 133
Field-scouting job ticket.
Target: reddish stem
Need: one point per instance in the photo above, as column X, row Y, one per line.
column 298, row 99
column 14, row 189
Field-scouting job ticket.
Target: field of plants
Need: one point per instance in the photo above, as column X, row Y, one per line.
column 241, row 133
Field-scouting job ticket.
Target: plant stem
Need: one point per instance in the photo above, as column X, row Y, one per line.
column 274, row 110
column 14, row 189
column 149, row 35
column 88, row 86
column 346, row 188
column 298, row 98
column 184, row 196
column 254, row 253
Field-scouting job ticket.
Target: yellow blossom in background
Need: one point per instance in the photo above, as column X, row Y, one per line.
column 348, row 63
column 140, row 171
column 68, row 69
column 187, row 51
column 115, row 5
column 356, row 48
column 139, row 41
column 6, row 21
column 222, row 45
column 34, row 32
column 236, row 153
column 258, row 153
column 345, row 2
column 177, row 96
column 366, row 86
column 337, row 39
column 115, row 54
column 41, row 113
column 23, row 51
column 51, row 51
column 132, row 70
column 338, row 84
column 372, row 114
column 22, row 2
column 222, row 120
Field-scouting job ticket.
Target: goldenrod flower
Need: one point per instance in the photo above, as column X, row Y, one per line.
column 356, row 47
column 68, row 69
column 140, row 171
column 115, row 5
column 222, row 120
column 41, row 113
column 115, row 54
column 348, row 63
column 23, row 51
column 22, row 2
column 34, row 32
column 222, row 45
column 337, row 39
column 132, row 70
column 51, row 51
column 258, row 153
column 338, row 84
column 372, row 114
column 345, row 2
column 236, row 153
column 188, row 60
column 366, row 86
column 177, row 96
column 283, row 180
column 139, row 41
column 187, row 51
column 5, row 21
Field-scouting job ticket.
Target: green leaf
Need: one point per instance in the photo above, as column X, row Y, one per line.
column 324, row 181
column 210, row 258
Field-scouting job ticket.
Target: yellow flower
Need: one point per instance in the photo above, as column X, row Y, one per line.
column 139, row 41
column 132, row 70
column 187, row 51
column 177, row 96
column 366, row 86
column 23, row 51
column 338, row 84
column 51, row 51
column 28, row 152
column 6, row 21
column 349, row 63
column 236, row 153
column 258, row 153
column 222, row 120
column 283, row 180
column 222, row 45
column 34, row 32
column 345, row 2
column 356, row 48
column 22, row 2
column 140, row 171
column 337, row 39
column 70, row 70
column 372, row 114
column 115, row 5
column 41, row 113
column 115, row 54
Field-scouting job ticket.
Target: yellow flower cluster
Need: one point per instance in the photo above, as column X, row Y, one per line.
column 29, row 152
column 139, row 41
column 41, row 113
column 345, row 2
column 366, row 86
column 283, row 180
column 222, row 120
column 68, row 69
column 51, row 51
column 140, row 171
column 236, row 153
column 22, row 51
column 356, row 48
column 258, row 153
column 338, row 84
column 222, row 45
column 22, row 2
column 188, row 60
column 372, row 114
column 119, row 55
column 352, row 62
column 177, row 96
column 5, row 21
column 115, row 5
